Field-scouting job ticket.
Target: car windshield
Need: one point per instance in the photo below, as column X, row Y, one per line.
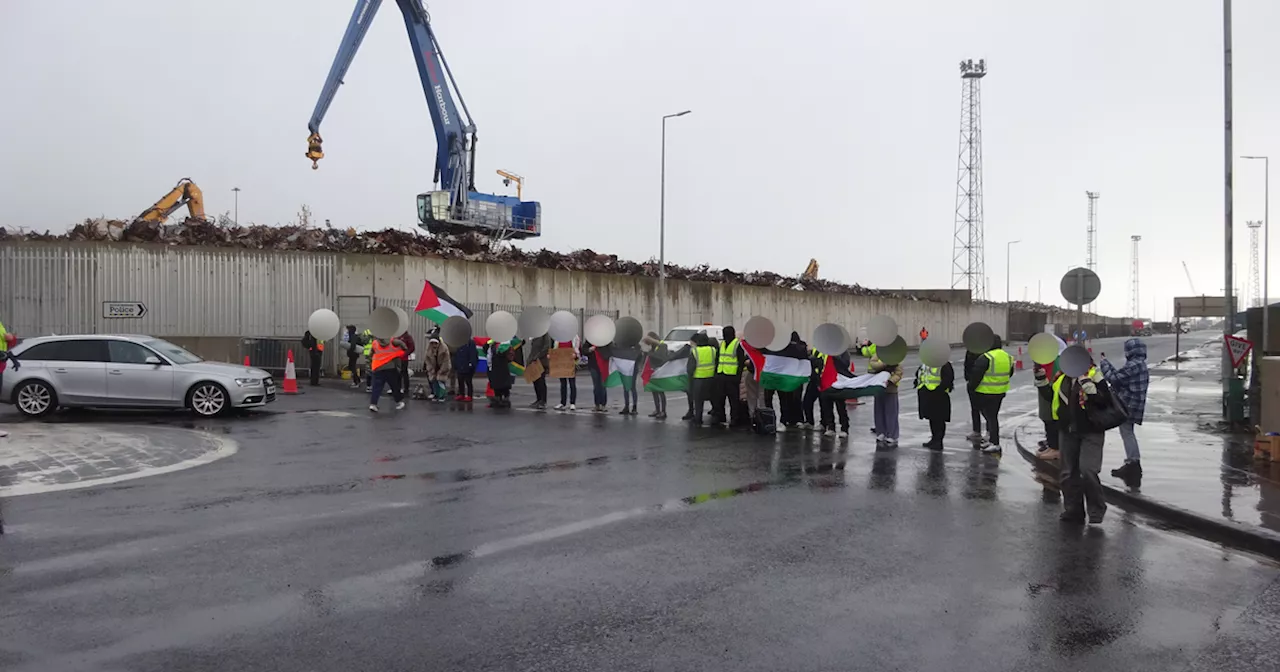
column 173, row 352
column 679, row 335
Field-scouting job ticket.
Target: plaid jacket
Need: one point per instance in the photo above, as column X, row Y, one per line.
column 1130, row 382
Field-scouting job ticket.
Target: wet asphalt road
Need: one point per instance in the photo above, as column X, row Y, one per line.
column 443, row 539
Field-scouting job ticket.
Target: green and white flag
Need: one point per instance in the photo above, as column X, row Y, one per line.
column 778, row 372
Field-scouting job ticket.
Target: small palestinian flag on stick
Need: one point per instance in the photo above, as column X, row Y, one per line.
column 778, row 372
column 436, row 305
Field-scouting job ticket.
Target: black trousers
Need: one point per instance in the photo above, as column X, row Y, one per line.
column 810, row 398
column 317, row 359
column 830, row 408
column 465, row 387
column 1051, row 434
column 975, row 411
column 726, row 406
column 353, row 365
column 702, row 391
column 404, row 376
column 660, row 402
column 990, row 407
column 540, row 388
column 937, row 430
column 1081, row 461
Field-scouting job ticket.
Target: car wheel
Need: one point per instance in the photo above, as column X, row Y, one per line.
column 208, row 400
column 35, row 399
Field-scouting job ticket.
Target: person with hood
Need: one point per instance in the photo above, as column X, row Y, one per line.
column 887, row 404
column 1080, row 442
column 830, row 406
column 702, row 360
column 1130, row 383
column 436, row 363
column 465, row 362
column 352, row 346
column 316, row 351
column 989, row 381
column 659, row 355
column 817, row 362
column 726, row 406
column 933, row 391
column 385, row 355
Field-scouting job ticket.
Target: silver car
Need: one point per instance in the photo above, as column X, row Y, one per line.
column 127, row 372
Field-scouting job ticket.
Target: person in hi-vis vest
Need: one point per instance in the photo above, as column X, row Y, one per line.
column 989, row 382
column 385, row 356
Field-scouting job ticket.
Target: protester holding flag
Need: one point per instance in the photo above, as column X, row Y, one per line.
column 502, row 359
column 702, row 387
column 817, row 362
column 933, row 388
column 622, row 372
column 829, row 404
column 887, row 404
column 436, row 364
column 664, row 371
column 727, row 406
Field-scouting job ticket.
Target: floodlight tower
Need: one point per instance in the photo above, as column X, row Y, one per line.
column 968, row 264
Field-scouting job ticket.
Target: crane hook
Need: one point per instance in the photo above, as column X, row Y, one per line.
column 314, row 151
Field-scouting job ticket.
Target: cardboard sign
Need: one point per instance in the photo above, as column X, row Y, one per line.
column 533, row 371
column 563, row 362
column 1239, row 348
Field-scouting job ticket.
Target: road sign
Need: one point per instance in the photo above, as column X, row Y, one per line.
column 1201, row 306
column 1238, row 348
column 123, row 309
column 1080, row 286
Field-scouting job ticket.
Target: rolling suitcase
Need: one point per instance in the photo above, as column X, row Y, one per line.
column 765, row 421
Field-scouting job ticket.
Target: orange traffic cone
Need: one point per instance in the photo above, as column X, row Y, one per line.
column 290, row 385
column 1019, row 365
column 246, row 360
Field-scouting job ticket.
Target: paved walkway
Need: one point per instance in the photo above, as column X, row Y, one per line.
column 1190, row 466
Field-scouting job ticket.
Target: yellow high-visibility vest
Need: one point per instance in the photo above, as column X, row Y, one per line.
column 1058, row 397
column 999, row 370
column 729, row 359
column 4, row 342
column 706, row 358
column 869, row 351
column 930, row 377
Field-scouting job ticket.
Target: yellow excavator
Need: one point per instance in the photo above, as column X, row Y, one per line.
column 184, row 193
column 810, row 271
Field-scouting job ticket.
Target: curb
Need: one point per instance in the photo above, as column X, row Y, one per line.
column 1230, row 533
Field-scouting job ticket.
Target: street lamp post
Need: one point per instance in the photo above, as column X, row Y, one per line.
column 662, row 229
column 235, row 216
column 1266, row 248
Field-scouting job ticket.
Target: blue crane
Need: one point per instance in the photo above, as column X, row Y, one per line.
column 455, row 207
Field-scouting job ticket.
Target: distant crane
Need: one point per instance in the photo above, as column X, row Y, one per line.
column 508, row 178
column 1189, row 280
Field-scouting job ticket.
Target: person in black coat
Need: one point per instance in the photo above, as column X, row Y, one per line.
column 829, row 406
column 465, row 361
column 935, row 404
column 316, row 350
column 975, row 404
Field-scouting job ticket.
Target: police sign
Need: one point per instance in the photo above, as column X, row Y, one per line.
column 123, row 309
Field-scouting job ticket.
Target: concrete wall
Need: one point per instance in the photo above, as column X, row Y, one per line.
column 212, row 298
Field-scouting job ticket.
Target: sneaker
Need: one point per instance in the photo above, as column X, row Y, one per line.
column 982, row 443
column 660, row 416
column 560, row 407
column 400, row 405
column 1096, row 518
column 3, row 434
column 467, row 398
column 687, row 416
column 841, row 433
column 892, row 443
column 829, row 432
column 624, row 411
column 992, row 449
column 807, row 426
column 933, row 445
column 1071, row 517
column 973, row 436
column 373, row 408
column 573, row 407
column 782, row 429
column 653, row 414
column 881, row 438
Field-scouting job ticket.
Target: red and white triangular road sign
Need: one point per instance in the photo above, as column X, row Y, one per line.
column 1239, row 348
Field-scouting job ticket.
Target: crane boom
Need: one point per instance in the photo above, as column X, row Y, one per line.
column 1189, row 281
column 185, row 192
column 455, row 131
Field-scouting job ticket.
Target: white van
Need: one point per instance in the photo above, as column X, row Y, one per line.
column 683, row 333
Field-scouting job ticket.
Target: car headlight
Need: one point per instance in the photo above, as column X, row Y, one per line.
column 248, row 382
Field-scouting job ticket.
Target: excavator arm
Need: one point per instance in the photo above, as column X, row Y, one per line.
column 184, row 193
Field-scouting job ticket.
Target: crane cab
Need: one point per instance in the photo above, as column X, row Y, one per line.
column 484, row 214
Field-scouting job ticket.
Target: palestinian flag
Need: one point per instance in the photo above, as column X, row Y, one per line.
column 436, row 305
column 614, row 369
column 671, row 376
column 778, row 372
column 837, row 385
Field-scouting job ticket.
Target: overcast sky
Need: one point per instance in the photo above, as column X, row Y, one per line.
column 822, row 129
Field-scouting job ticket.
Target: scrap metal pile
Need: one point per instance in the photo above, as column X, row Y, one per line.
column 199, row 232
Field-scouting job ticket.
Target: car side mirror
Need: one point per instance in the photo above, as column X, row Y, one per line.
column 153, row 360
